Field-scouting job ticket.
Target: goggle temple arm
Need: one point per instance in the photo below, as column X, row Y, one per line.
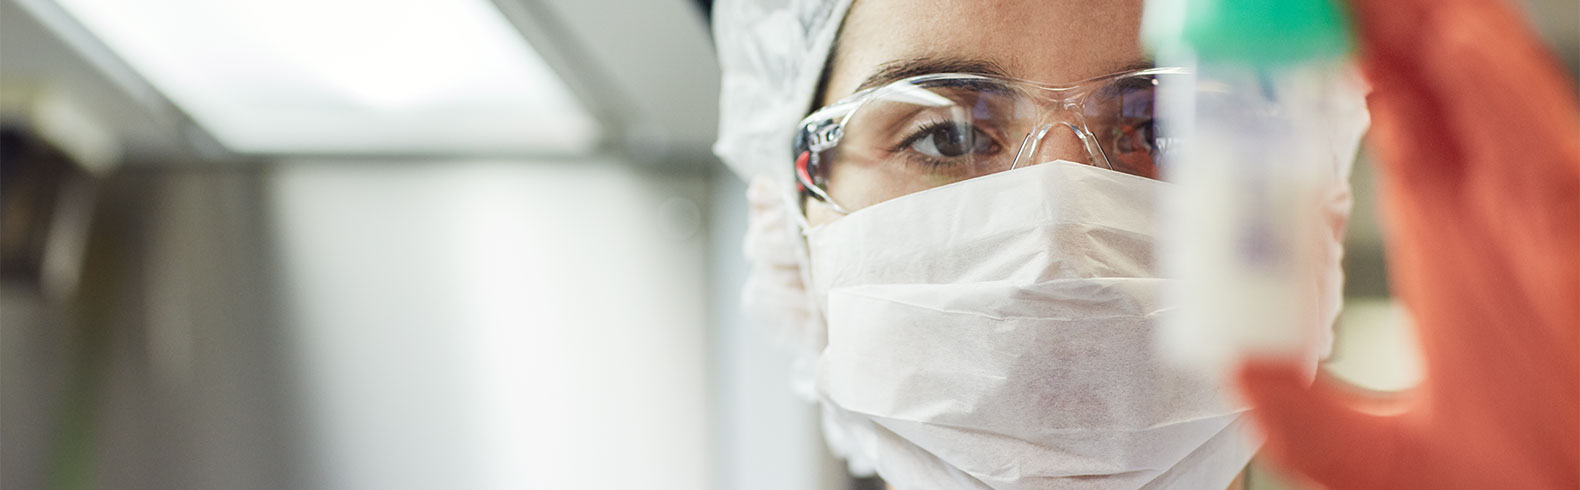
column 806, row 185
column 802, row 176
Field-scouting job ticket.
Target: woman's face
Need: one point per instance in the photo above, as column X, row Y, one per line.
column 1049, row 41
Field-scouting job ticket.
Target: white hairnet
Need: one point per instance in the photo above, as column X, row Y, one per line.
column 772, row 54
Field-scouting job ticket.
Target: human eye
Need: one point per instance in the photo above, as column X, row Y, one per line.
column 1137, row 136
column 947, row 142
column 1123, row 114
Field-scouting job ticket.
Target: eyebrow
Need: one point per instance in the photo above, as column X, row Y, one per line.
column 897, row 70
column 1136, row 65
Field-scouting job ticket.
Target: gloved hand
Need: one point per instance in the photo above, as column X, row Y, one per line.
column 1477, row 137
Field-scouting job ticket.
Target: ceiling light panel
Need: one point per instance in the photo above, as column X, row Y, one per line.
column 347, row 76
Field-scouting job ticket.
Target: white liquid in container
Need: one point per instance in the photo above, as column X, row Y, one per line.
column 1245, row 240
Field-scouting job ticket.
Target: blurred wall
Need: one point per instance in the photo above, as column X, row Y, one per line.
column 768, row 437
column 497, row 324
column 357, row 325
column 165, row 368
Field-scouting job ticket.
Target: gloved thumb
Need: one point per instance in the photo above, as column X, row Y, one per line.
column 1322, row 420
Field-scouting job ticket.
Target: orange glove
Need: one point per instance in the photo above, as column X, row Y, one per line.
column 1477, row 136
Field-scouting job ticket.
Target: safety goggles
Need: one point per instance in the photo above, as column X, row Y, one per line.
column 931, row 130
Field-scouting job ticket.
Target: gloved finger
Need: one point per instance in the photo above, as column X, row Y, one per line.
column 1470, row 105
column 1469, row 74
column 1477, row 113
column 1313, row 427
column 1389, row 30
column 1388, row 36
column 1498, row 84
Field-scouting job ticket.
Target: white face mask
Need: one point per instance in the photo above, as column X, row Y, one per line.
column 997, row 333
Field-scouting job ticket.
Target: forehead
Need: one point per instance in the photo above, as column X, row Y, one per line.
column 1051, row 41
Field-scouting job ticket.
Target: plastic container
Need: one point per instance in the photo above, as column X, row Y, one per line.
column 1252, row 165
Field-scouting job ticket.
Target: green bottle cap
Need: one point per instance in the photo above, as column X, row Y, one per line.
column 1254, row 32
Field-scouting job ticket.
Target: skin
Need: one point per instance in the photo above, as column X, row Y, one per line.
column 1048, row 41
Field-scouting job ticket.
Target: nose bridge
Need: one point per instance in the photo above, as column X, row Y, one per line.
column 1060, row 132
column 1053, row 139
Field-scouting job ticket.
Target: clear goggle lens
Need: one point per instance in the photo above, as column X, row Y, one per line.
column 934, row 130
